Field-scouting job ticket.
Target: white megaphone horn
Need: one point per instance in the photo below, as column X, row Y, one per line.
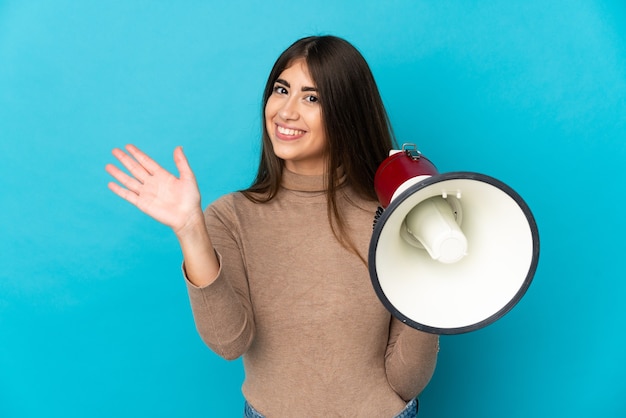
column 450, row 253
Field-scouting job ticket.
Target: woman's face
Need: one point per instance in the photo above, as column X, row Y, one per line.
column 293, row 119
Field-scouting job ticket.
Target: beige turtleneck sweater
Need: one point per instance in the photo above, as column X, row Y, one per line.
column 302, row 311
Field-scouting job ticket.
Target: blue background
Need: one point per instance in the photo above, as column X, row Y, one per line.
column 94, row 316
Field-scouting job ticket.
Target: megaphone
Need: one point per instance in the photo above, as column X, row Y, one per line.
column 450, row 253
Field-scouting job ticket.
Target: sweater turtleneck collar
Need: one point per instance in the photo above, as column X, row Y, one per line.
column 310, row 183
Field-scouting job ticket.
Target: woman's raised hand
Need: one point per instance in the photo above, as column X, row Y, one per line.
column 173, row 201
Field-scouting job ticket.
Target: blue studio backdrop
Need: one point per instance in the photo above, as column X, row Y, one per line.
column 94, row 315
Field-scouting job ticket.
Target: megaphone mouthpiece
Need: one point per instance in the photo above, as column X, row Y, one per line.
column 433, row 224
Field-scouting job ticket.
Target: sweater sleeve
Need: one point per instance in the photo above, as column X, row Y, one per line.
column 410, row 359
column 222, row 311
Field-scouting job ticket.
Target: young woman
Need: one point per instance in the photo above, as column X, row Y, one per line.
column 277, row 273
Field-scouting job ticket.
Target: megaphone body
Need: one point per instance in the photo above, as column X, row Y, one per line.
column 450, row 253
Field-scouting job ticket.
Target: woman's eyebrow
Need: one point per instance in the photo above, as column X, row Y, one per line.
column 286, row 84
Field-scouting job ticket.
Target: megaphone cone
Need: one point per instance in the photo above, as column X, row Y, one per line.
column 450, row 253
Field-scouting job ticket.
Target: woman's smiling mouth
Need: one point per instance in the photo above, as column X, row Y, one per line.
column 284, row 132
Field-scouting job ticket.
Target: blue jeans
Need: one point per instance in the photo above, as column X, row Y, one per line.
column 410, row 411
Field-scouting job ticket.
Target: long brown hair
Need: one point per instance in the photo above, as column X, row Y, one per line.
column 357, row 128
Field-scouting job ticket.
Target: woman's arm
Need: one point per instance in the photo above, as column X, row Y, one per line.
column 223, row 310
column 410, row 359
column 172, row 201
column 219, row 299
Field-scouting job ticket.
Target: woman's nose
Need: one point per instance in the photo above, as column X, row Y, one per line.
column 288, row 110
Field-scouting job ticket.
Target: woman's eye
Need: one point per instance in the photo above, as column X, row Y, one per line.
column 312, row 99
column 280, row 90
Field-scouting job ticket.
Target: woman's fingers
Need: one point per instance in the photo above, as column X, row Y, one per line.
column 137, row 163
column 132, row 184
column 124, row 193
column 146, row 162
column 182, row 164
column 136, row 169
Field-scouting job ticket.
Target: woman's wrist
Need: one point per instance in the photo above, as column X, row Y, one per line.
column 201, row 263
column 193, row 227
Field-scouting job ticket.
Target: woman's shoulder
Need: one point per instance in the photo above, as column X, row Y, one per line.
column 358, row 201
column 227, row 211
column 229, row 202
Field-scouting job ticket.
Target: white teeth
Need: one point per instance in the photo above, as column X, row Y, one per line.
column 287, row 131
